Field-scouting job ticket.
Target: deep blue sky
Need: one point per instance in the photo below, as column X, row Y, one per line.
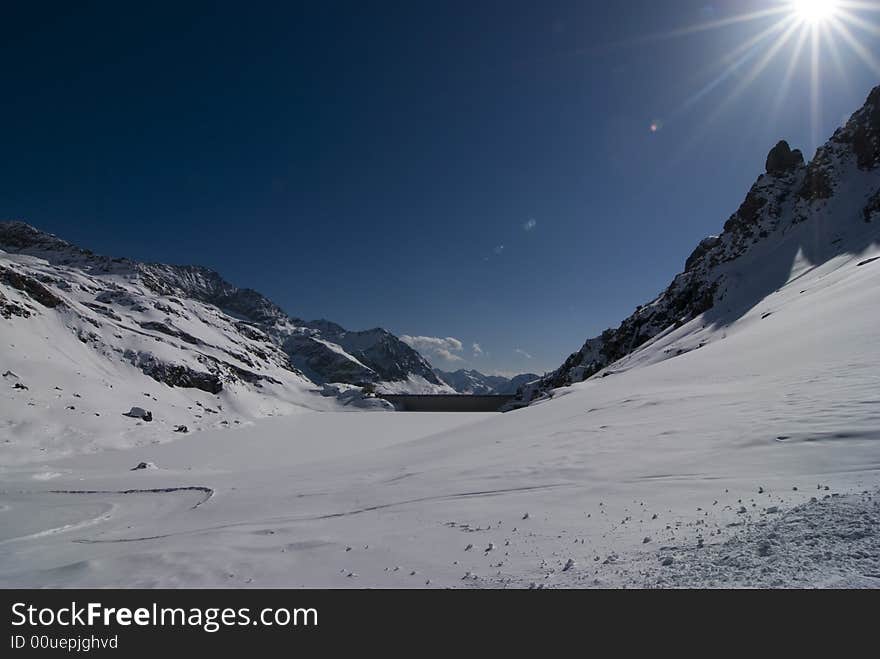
column 366, row 161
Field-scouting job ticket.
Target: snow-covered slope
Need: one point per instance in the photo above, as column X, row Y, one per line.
column 795, row 219
column 472, row 382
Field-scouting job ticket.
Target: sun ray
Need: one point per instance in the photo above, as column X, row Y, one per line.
column 758, row 69
column 782, row 92
column 859, row 22
column 733, row 62
column 715, row 25
column 860, row 6
column 746, row 81
column 857, row 47
column 778, row 26
column 721, row 78
column 836, row 58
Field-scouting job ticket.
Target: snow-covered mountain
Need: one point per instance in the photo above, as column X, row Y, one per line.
column 472, row 382
column 796, row 217
column 325, row 351
column 70, row 316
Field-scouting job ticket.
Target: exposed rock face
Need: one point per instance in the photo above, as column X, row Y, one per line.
column 782, row 159
column 174, row 375
column 170, row 330
column 310, row 354
column 789, row 194
column 9, row 308
column 323, row 350
column 872, row 210
column 865, row 135
column 34, row 289
column 209, row 287
column 706, row 245
column 389, row 357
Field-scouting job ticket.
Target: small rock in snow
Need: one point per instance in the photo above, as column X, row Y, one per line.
column 139, row 413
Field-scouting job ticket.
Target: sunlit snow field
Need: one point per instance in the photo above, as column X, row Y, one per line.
column 686, row 471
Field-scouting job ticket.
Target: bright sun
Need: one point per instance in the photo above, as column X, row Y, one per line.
column 821, row 38
column 815, row 11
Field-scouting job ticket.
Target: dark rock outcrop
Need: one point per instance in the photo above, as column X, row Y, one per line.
column 10, row 308
column 782, row 160
column 865, row 137
column 33, row 288
column 872, row 209
column 707, row 244
column 139, row 413
column 170, row 330
column 174, row 375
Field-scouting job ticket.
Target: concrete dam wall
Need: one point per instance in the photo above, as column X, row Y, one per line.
column 447, row 403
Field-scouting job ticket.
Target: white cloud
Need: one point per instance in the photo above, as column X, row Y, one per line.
column 530, row 224
column 444, row 348
column 448, row 356
column 522, row 352
column 478, row 350
column 503, row 374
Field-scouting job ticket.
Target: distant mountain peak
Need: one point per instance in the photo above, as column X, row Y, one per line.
column 472, row 382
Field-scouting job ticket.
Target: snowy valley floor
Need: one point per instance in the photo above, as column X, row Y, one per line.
column 698, row 471
column 228, row 509
column 223, row 509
